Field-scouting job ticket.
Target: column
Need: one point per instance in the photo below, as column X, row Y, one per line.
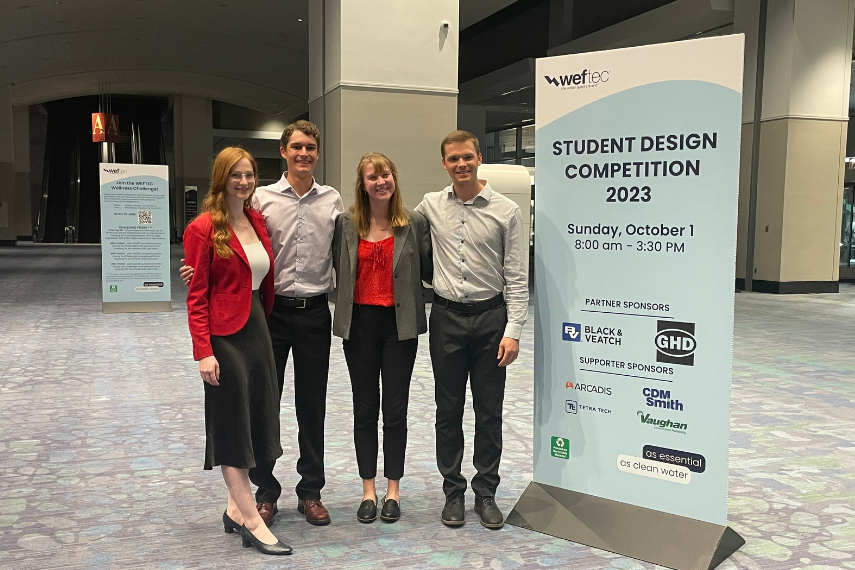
column 8, row 232
column 383, row 77
column 24, row 222
column 194, row 150
column 802, row 142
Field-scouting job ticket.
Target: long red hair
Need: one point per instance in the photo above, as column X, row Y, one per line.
column 215, row 203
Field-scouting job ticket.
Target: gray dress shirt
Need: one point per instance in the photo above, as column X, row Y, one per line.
column 301, row 231
column 478, row 250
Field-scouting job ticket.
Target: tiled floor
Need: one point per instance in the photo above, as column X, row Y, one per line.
column 101, row 440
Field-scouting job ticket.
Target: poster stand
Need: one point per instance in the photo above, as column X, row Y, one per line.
column 645, row 534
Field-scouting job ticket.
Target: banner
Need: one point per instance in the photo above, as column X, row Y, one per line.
column 135, row 237
column 635, row 221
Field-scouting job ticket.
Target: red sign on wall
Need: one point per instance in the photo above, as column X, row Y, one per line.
column 105, row 127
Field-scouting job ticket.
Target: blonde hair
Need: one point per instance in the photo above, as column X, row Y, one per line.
column 361, row 210
column 215, row 203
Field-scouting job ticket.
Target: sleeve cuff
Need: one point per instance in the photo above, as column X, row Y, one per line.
column 513, row 330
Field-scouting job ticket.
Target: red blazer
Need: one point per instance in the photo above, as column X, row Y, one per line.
column 220, row 294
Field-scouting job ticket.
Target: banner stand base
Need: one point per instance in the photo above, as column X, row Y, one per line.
column 638, row 532
column 136, row 307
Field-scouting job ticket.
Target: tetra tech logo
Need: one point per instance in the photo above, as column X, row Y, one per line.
column 675, row 343
column 571, row 332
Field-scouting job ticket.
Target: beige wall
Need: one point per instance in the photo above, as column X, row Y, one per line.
column 804, row 119
column 406, row 127
column 383, row 77
column 7, row 167
column 22, row 214
column 194, row 148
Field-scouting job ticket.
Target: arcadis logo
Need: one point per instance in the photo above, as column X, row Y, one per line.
column 571, row 332
column 587, row 78
column 663, row 424
column 592, row 388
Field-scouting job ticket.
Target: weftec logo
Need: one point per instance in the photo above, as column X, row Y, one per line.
column 591, row 388
column 675, row 342
column 588, row 78
column 656, row 398
column 115, row 171
column 571, row 332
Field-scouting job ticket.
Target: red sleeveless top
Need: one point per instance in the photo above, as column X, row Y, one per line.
column 374, row 283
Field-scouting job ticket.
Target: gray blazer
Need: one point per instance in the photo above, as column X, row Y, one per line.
column 412, row 263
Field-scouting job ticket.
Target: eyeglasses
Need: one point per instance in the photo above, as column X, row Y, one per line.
column 236, row 176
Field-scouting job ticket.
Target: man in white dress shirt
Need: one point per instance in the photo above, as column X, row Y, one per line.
column 480, row 302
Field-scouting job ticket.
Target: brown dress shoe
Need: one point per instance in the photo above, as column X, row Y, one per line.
column 266, row 511
column 316, row 513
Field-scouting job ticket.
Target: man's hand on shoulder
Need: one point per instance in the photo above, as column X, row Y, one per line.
column 509, row 349
column 186, row 273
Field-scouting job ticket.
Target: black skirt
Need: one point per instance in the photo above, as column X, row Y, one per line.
column 242, row 413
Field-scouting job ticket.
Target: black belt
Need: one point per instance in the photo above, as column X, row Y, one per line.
column 469, row 308
column 299, row 302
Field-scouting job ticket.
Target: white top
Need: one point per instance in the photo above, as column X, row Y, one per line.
column 259, row 263
column 301, row 231
column 478, row 250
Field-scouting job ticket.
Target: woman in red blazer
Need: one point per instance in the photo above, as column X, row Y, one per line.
column 227, row 301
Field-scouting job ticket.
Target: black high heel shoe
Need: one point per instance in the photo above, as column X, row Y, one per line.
column 229, row 526
column 247, row 539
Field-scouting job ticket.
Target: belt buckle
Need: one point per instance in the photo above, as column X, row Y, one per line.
column 303, row 306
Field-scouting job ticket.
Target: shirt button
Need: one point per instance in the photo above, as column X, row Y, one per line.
column 462, row 260
column 397, row 304
column 464, row 279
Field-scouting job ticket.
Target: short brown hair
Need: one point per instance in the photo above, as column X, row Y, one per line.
column 308, row 128
column 459, row 137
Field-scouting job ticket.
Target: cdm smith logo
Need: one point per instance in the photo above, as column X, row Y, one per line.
column 675, row 342
column 587, row 78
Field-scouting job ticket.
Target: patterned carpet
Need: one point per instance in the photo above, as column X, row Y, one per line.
column 102, row 439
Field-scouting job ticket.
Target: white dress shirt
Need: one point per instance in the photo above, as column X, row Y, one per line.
column 478, row 250
column 301, row 231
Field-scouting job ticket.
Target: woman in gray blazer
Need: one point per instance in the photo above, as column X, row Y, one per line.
column 381, row 255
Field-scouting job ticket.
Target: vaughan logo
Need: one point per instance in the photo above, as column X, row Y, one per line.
column 587, row 78
column 662, row 424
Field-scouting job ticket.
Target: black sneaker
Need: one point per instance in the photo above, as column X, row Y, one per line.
column 488, row 512
column 453, row 514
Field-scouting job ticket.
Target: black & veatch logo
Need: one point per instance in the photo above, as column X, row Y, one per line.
column 675, row 342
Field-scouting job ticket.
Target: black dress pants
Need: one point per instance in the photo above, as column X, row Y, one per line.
column 466, row 345
column 306, row 333
column 374, row 355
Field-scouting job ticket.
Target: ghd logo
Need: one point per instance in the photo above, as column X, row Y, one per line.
column 675, row 342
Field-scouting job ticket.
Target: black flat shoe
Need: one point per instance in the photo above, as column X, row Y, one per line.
column 391, row 510
column 229, row 525
column 489, row 513
column 367, row 512
column 247, row 539
column 453, row 514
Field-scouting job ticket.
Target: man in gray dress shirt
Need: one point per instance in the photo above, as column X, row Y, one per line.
column 480, row 301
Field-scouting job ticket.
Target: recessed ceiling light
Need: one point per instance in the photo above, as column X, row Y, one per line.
column 299, row 19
